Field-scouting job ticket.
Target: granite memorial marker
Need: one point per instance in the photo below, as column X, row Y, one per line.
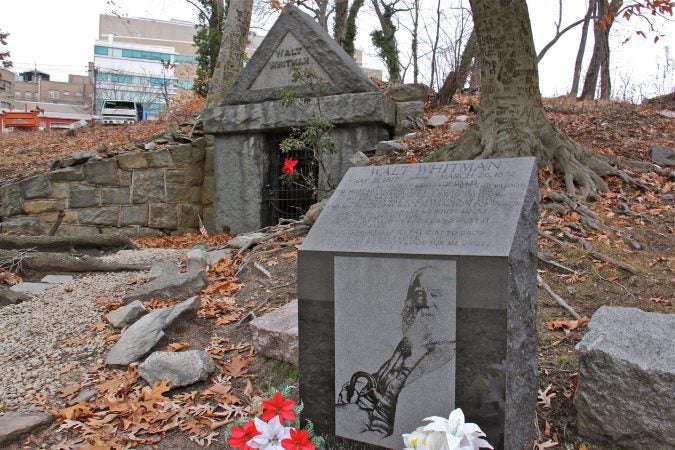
column 417, row 294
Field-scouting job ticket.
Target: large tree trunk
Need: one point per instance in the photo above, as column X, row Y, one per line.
column 456, row 79
column 232, row 49
column 582, row 48
column 511, row 121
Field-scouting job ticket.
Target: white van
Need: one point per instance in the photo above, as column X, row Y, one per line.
column 120, row 112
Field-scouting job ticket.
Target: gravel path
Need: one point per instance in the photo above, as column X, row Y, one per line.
column 48, row 342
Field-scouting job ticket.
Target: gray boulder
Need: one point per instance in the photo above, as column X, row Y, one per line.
column 458, row 126
column 313, row 212
column 668, row 114
column 359, row 159
column 196, row 260
column 246, row 240
column 407, row 92
column 163, row 269
column 625, row 396
column 14, row 424
column 140, row 338
column 437, row 121
column 663, row 156
column 181, row 285
column 179, row 368
column 9, row 297
column 214, row 256
column 126, row 315
column 385, row 147
column 275, row 335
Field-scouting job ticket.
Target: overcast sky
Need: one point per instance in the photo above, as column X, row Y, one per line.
column 58, row 37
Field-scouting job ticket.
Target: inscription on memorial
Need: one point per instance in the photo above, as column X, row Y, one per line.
column 278, row 71
column 455, row 207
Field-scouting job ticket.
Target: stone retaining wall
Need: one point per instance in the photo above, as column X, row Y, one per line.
column 138, row 193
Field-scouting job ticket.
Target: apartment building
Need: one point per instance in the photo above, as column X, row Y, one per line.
column 36, row 86
column 143, row 60
column 6, row 89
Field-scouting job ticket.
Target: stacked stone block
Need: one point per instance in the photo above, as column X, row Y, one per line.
column 138, row 194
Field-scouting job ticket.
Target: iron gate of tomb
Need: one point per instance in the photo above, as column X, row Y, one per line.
column 289, row 197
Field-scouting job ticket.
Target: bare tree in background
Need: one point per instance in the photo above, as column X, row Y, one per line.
column 345, row 23
column 232, row 50
column 582, row 47
column 320, row 9
column 385, row 38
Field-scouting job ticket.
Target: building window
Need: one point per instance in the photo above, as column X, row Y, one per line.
column 66, row 93
column 17, row 95
column 27, row 96
column 100, row 50
column 78, row 93
column 53, row 94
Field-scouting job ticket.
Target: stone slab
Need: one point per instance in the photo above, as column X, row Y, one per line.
column 625, row 395
column 14, row 424
column 473, row 222
column 297, row 40
column 126, row 315
column 141, row 337
column 275, row 335
column 369, row 107
column 57, row 279
column 30, row 287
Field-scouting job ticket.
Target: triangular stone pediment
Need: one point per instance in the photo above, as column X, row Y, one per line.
column 296, row 41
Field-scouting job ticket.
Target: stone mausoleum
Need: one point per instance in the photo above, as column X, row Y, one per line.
column 253, row 119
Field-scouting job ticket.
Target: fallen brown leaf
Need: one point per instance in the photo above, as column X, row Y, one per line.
column 567, row 325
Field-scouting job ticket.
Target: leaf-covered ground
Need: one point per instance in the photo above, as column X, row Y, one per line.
column 629, row 227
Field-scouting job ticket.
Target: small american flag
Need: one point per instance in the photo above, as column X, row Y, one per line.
column 202, row 228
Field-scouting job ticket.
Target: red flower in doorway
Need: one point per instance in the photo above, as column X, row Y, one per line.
column 289, row 166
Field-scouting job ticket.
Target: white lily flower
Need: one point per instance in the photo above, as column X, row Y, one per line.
column 417, row 440
column 458, row 434
column 271, row 434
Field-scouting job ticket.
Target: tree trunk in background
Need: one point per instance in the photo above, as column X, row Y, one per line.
column 434, row 47
column 511, row 121
column 414, row 46
column 232, row 50
column 599, row 65
column 385, row 39
column 345, row 23
column 456, row 79
column 340, row 27
column 582, row 48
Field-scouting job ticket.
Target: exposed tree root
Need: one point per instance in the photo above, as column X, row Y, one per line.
column 548, row 260
column 558, row 299
column 582, row 169
column 596, row 254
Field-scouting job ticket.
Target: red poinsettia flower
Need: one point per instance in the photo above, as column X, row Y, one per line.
column 299, row 440
column 278, row 407
column 241, row 435
column 289, row 166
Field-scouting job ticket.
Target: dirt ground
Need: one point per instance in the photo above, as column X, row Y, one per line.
column 621, row 130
